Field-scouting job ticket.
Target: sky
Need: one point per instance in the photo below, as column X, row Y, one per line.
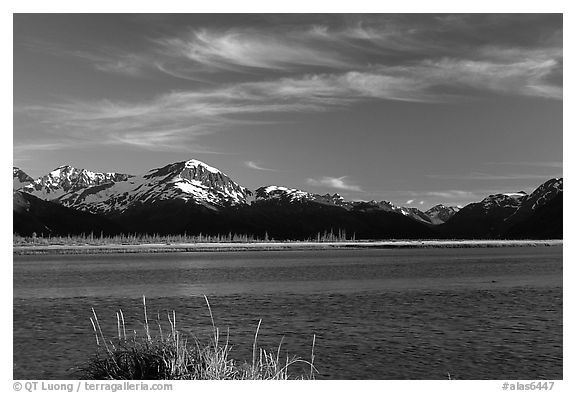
column 416, row 109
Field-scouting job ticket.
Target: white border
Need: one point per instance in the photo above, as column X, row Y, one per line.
column 304, row 6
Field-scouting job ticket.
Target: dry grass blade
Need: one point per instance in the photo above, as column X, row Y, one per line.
column 312, row 356
column 146, row 319
column 99, row 329
column 254, row 346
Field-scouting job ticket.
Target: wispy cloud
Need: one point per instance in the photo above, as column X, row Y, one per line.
column 300, row 67
column 339, row 183
column 227, row 50
column 171, row 120
column 403, row 54
column 164, row 120
column 453, row 194
column 517, row 76
column 128, row 64
column 175, row 121
column 527, row 74
column 255, row 165
column 409, row 201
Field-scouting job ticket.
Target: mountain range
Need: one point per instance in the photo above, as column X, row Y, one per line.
column 193, row 197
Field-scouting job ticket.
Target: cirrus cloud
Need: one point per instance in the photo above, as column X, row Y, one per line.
column 339, row 183
column 310, row 66
column 255, row 165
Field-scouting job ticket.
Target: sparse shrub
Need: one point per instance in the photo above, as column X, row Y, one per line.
column 174, row 357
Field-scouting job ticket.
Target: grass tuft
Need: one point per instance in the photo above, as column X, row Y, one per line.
column 170, row 356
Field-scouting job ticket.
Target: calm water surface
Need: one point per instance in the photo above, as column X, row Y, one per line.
column 485, row 313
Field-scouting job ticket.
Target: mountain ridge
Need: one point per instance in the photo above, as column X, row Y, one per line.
column 495, row 215
column 184, row 180
column 170, row 198
column 66, row 178
column 20, row 178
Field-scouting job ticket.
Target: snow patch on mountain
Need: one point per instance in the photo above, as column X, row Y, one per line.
column 285, row 194
column 540, row 197
column 440, row 213
column 291, row 195
column 196, row 163
column 282, row 193
column 20, row 178
column 504, row 200
column 66, row 178
column 544, row 193
column 189, row 181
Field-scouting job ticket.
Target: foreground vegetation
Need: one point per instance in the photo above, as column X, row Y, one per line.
column 170, row 355
column 137, row 239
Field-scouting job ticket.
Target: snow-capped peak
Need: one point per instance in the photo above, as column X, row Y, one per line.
column 66, row 179
column 190, row 181
column 196, row 163
column 284, row 193
column 193, row 175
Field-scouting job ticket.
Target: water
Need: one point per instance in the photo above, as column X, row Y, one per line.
column 377, row 314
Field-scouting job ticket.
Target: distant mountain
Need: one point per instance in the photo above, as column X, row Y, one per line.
column 509, row 215
column 389, row 207
column 439, row 214
column 483, row 219
column 194, row 197
column 34, row 215
column 540, row 215
column 66, row 179
column 541, row 197
column 21, row 178
column 188, row 197
column 544, row 223
column 289, row 213
column 285, row 194
column 416, row 214
column 190, row 181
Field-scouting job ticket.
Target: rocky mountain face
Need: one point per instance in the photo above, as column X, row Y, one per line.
column 66, row 179
column 545, row 222
column 282, row 194
column 496, row 215
column 193, row 197
column 188, row 181
column 290, row 195
column 540, row 213
column 21, row 178
column 440, row 213
column 536, row 200
column 289, row 212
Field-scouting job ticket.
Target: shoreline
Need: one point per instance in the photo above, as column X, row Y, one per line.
column 57, row 249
